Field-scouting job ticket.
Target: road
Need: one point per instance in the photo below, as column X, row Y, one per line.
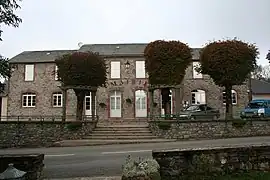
column 63, row 162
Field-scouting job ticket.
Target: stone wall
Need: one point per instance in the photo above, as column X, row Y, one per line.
column 41, row 134
column 211, row 162
column 200, row 129
column 32, row 164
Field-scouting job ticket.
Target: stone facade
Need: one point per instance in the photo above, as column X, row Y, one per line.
column 205, row 129
column 44, row 85
column 40, row 134
column 212, row 162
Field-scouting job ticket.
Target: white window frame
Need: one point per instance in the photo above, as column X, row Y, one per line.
column 29, row 72
column 140, row 69
column 201, row 94
column 55, row 97
column 115, row 69
column 196, row 75
column 234, row 96
column 29, row 97
column 56, row 74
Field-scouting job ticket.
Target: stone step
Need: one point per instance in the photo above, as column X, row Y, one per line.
column 96, row 142
column 96, row 131
column 120, row 137
column 112, row 133
column 120, row 129
column 123, row 126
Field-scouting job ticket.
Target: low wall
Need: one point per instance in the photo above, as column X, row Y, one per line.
column 32, row 164
column 211, row 162
column 41, row 134
column 205, row 129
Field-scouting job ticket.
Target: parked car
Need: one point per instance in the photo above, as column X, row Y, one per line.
column 199, row 111
column 259, row 108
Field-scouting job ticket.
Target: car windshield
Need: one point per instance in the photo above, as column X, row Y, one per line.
column 192, row 108
column 255, row 105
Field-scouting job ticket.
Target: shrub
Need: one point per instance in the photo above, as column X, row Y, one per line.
column 239, row 123
column 164, row 125
column 143, row 168
column 74, row 126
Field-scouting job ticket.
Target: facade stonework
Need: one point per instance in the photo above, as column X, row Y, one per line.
column 44, row 85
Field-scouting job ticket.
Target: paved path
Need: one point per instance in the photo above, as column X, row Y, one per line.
column 66, row 162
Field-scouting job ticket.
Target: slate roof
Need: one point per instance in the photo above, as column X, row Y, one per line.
column 260, row 87
column 38, row 56
column 132, row 49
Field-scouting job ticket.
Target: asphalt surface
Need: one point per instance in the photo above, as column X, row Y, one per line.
column 66, row 162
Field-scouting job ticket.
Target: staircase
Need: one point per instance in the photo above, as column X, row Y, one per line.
column 117, row 133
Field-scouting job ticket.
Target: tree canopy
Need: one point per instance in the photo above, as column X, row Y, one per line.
column 7, row 15
column 82, row 69
column 167, row 61
column 261, row 73
column 268, row 55
column 228, row 62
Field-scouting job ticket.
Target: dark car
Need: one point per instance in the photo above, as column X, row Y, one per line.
column 199, row 111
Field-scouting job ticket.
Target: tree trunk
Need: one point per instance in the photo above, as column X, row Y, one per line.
column 229, row 114
column 64, row 113
column 165, row 92
column 178, row 101
column 151, row 102
column 93, row 105
column 80, row 94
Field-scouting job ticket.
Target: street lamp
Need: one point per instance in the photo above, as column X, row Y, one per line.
column 127, row 65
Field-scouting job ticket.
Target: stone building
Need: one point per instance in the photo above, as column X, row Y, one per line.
column 34, row 86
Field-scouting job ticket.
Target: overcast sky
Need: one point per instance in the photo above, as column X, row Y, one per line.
column 62, row 24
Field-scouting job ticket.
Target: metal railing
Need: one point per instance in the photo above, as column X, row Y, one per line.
column 47, row 118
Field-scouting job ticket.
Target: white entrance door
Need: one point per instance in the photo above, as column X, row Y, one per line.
column 115, row 104
column 141, row 103
column 88, row 106
column 162, row 108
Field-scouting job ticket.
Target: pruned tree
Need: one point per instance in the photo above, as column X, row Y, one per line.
column 7, row 17
column 81, row 69
column 166, row 63
column 228, row 62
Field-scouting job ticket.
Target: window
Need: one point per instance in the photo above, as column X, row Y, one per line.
column 115, row 69
column 29, row 72
column 140, row 69
column 56, row 73
column 195, row 73
column 57, row 99
column 198, row 97
column 234, row 97
column 29, row 100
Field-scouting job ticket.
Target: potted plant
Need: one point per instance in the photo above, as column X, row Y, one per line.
column 128, row 100
column 102, row 105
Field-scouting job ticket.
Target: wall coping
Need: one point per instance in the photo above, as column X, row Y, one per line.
column 47, row 122
column 21, row 155
column 206, row 120
column 226, row 147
